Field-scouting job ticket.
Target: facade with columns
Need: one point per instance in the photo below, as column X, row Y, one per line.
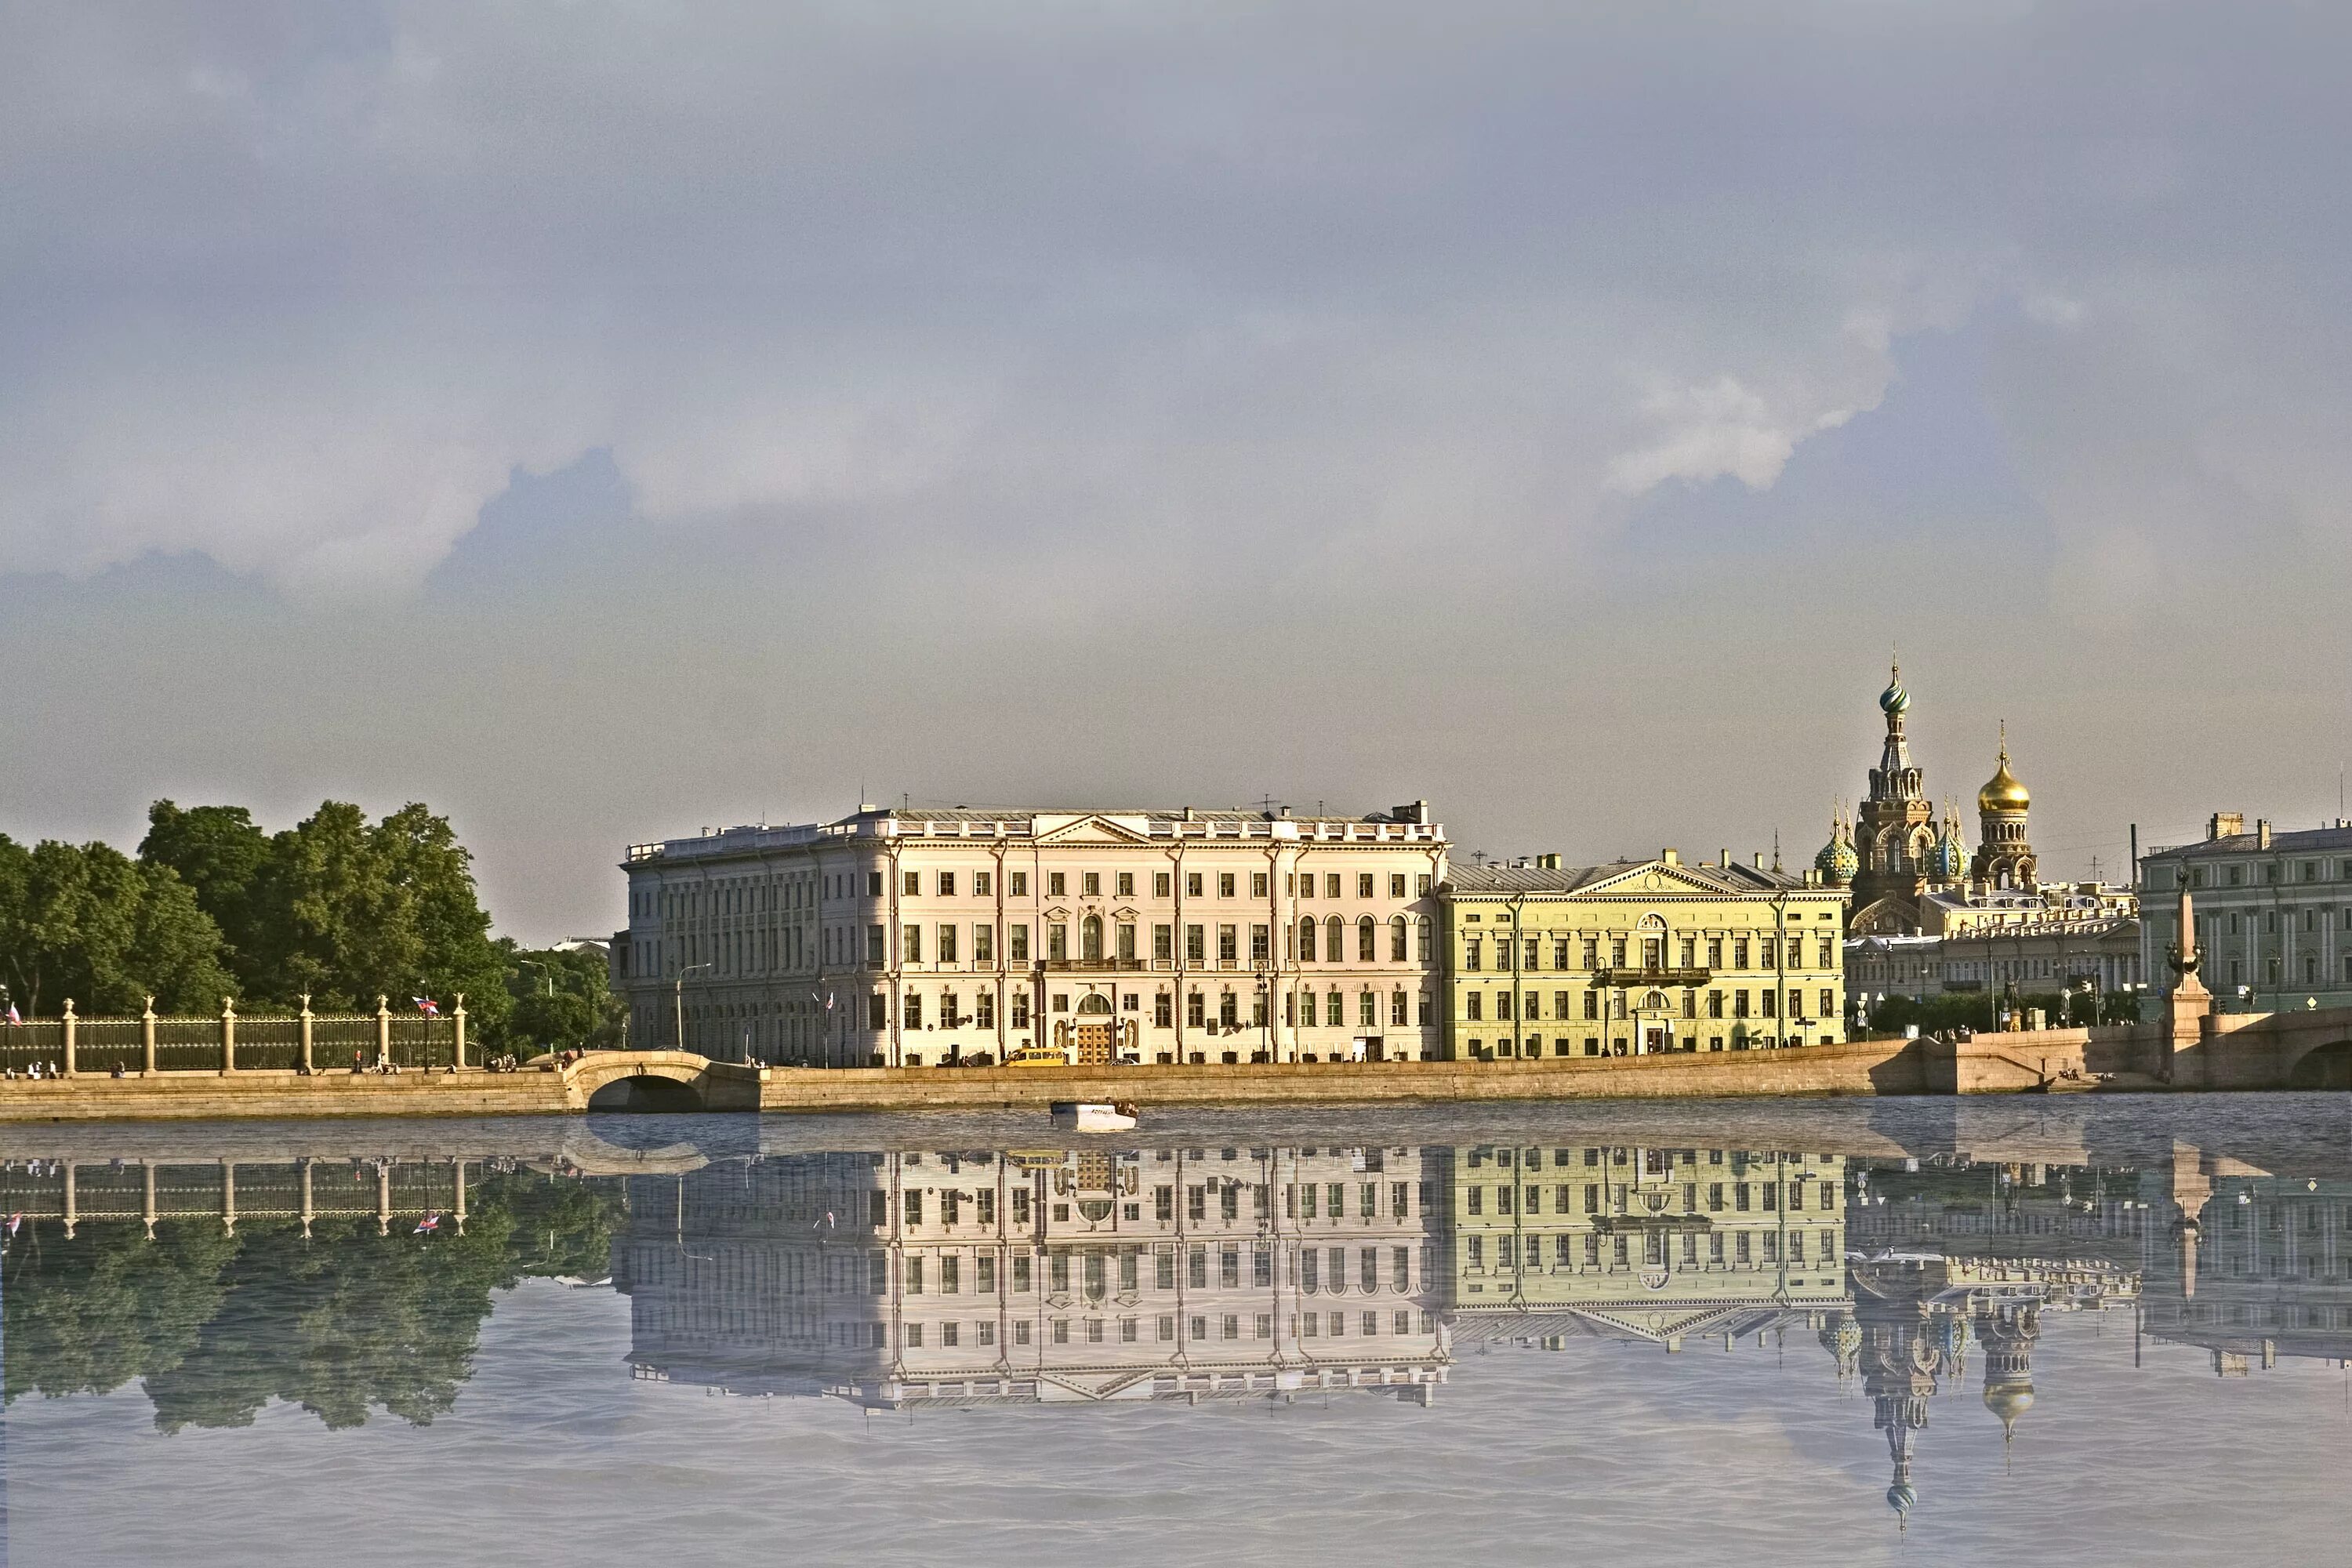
column 914, row 938
column 2273, row 911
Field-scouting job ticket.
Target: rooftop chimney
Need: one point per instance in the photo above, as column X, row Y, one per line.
column 2225, row 825
column 2261, row 832
column 1671, row 857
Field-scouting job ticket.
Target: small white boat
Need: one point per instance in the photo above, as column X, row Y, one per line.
column 1095, row 1116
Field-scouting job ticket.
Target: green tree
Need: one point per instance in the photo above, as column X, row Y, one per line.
column 222, row 856
column 562, row 998
column 84, row 922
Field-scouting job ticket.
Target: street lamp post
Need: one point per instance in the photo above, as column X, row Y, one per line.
column 677, row 999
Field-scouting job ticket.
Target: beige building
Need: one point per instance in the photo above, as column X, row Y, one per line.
column 1043, row 1277
column 2273, row 911
column 913, row 938
column 1639, row 956
column 2098, row 953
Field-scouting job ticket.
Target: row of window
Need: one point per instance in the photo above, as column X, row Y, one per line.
column 1768, row 953
column 1594, row 1197
column 1296, row 884
column 1594, row 1251
column 1477, row 1050
column 1587, row 1003
column 1205, row 1328
column 2272, row 872
column 1326, row 1271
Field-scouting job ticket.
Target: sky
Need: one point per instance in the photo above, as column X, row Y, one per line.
column 609, row 419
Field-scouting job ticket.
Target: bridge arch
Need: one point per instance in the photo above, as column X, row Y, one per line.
column 2326, row 1065
column 639, row 1081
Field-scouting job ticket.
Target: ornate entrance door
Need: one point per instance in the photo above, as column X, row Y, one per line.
column 1092, row 1043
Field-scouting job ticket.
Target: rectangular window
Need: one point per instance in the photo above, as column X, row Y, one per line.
column 1367, row 1010
column 1058, row 942
column 1160, row 883
column 1331, row 884
column 1261, row 945
column 947, row 884
column 1021, row 1009
column 911, row 884
column 1163, row 1011
column 1474, row 1006
column 982, row 884
column 1191, row 884
column 946, row 944
column 1056, row 884
column 1196, row 1011
column 1090, row 884
column 1125, row 951
column 983, row 1010
column 873, row 946
column 983, row 944
column 1196, row 944
column 1470, row 957
column 1228, row 945
column 1163, row 944
column 910, row 944
column 912, row 1010
column 1224, row 884
column 1018, row 883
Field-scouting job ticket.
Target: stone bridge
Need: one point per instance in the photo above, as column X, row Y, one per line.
column 656, row 1080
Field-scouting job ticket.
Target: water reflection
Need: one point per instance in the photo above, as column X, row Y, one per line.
column 1911, row 1263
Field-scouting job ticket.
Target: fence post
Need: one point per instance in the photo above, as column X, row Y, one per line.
column 69, row 1022
column 306, row 1068
column 147, row 1040
column 383, row 1031
column 458, row 1016
column 228, row 1036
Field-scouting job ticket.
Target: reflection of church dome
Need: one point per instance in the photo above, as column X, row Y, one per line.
column 1894, row 700
column 2009, row 1402
column 2002, row 791
column 1902, row 1499
column 1837, row 861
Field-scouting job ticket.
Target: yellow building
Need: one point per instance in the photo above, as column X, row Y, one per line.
column 1639, row 956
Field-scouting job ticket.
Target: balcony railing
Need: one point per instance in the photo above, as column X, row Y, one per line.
column 1091, row 965
column 1632, row 978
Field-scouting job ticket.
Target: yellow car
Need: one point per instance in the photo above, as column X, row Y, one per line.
column 1036, row 1057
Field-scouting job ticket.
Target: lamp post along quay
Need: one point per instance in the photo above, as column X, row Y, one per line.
column 677, row 1001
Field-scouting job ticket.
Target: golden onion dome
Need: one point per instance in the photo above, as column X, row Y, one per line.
column 2002, row 791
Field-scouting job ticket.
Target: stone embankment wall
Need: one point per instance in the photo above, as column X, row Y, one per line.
column 209, row 1096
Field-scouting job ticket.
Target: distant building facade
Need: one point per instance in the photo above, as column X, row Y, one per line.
column 911, row 938
column 1638, row 956
column 2273, row 911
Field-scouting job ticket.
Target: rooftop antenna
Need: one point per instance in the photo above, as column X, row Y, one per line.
column 1776, row 850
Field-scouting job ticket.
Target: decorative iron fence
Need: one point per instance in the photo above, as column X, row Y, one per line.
column 336, row 1041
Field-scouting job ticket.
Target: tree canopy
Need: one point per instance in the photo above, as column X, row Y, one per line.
column 337, row 906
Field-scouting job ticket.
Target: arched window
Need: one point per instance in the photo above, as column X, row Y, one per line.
column 1090, row 937
column 1366, row 947
column 1093, row 1003
column 1396, row 941
column 1425, row 939
column 1335, row 945
column 1306, row 940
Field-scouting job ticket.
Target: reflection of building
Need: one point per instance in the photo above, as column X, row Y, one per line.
column 2273, row 911
column 1171, row 936
column 1658, row 1244
column 1639, row 957
column 2259, row 1267
column 1041, row 1277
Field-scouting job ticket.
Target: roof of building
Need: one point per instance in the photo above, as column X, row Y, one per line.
column 2331, row 835
column 1410, row 823
column 1517, row 879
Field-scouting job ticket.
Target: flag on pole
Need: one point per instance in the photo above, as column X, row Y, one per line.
column 426, row 1006
column 428, row 1225
column 12, row 1014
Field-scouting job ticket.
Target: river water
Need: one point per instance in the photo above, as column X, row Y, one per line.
column 2065, row 1331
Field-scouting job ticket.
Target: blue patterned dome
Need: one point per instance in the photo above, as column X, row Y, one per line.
column 1947, row 861
column 1894, row 700
column 1837, row 862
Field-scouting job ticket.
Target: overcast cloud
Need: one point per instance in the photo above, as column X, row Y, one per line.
column 1501, row 403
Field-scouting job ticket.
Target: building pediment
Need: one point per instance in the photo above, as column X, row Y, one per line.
column 1653, row 877
column 1091, row 828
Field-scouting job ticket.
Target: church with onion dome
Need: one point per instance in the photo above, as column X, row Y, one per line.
column 1928, row 914
column 1897, row 851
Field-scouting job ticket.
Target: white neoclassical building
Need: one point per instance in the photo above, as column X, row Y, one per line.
column 912, row 938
